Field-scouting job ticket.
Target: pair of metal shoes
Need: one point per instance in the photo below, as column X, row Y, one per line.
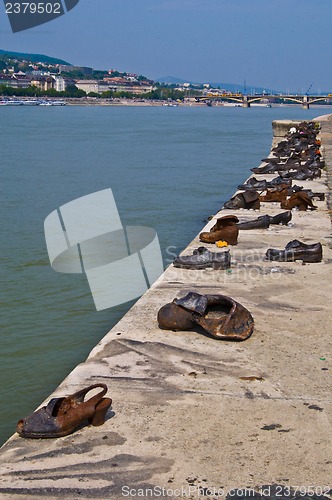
column 264, row 221
column 202, row 258
column 303, row 174
column 273, row 166
column 62, row 416
column 218, row 315
column 263, row 185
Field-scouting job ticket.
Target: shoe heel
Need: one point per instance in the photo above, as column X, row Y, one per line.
column 99, row 415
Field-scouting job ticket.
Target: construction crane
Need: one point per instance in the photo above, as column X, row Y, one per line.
column 307, row 92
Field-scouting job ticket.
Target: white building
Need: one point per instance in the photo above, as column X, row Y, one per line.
column 59, row 83
column 92, row 86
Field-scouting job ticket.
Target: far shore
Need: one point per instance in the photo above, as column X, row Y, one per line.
column 95, row 101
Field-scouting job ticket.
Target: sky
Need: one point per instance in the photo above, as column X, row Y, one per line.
column 278, row 44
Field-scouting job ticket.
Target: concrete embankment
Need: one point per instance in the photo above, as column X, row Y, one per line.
column 193, row 415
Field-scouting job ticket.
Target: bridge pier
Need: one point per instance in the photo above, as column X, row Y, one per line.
column 305, row 104
column 245, row 102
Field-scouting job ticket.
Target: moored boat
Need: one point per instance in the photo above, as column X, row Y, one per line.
column 14, row 102
column 32, row 102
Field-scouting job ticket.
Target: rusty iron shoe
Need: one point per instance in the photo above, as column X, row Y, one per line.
column 202, row 258
column 220, row 316
column 296, row 250
column 225, row 229
column 274, row 194
column 62, row 416
column 300, row 200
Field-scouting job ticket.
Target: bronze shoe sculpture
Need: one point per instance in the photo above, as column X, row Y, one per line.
column 62, row 416
column 275, row 194
column 225, row 229
column 300, row 200
column 220, row 316
column 202, row 258
column 249, row 199
column 296, row 250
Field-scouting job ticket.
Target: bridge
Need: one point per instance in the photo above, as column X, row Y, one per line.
column 246, row 100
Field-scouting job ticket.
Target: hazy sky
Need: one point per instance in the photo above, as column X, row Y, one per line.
column 279, row 44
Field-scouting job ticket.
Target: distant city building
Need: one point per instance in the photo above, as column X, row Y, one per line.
column 117, row 80
column 116, row 84
column 59, row 83
column 42, row 82
column 15, row 81
column 214, row 92
column 68, row 69
column 37, row 72
column 6, row 80
column 20, row 81
column 131, row 88
column 95, row 86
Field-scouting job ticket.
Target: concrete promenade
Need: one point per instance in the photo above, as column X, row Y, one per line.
column 192, row 415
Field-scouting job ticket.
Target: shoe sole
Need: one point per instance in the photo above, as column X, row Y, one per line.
column 309, row 259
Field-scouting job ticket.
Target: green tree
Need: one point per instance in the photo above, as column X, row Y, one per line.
column 123, row 94
column 99, row 74
column 76, row 75
column 108, row 94
column 51, row 93
column 73, row 91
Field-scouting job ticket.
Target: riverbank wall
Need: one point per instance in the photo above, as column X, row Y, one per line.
column 193, row 416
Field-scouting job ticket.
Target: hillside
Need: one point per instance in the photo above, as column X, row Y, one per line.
column 32, row 57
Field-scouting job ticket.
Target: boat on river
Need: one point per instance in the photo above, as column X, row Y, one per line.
column 11, row 102
column 31, row 102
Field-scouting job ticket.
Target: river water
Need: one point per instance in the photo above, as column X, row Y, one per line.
column 169, row 168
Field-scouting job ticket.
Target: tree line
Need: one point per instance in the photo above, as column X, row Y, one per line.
column 160, row 93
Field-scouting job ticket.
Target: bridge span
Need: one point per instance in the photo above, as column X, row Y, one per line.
column 246, row 100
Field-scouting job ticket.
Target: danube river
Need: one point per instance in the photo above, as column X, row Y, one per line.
column 169, row 168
